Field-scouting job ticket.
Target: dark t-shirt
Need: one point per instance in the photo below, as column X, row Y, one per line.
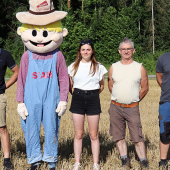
column 163, row 66
column 6, row 60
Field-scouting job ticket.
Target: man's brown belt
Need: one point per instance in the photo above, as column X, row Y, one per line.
column 125, row 105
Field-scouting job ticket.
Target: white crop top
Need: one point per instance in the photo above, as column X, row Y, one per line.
column 85, row 81
column 126, row 80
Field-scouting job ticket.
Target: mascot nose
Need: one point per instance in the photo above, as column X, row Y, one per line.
column 39, row 39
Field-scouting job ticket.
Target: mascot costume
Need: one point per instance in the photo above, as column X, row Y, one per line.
column 43, row 83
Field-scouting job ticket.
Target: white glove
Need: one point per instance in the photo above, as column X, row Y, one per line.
column 62, row 106
column 22, row 110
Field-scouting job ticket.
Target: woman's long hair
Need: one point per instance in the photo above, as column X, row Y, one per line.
column 94, row 63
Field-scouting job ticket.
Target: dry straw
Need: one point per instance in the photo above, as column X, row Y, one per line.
column 109, row 156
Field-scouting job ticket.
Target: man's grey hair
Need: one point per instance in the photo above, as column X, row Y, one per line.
column 127, row 41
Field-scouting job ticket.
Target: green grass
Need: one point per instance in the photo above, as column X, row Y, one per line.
column 151, row 72
column 107, row 66
column 8, row 73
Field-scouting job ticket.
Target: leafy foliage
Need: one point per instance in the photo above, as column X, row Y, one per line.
column 105, row 22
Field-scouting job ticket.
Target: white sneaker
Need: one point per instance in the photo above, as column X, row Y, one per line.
column 77, row 166
column 95, row 167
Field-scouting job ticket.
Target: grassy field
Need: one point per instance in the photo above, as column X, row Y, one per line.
column 109, row 156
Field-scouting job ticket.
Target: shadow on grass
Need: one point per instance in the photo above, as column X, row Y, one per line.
column 106, row 147
column 66, row 148
column 21, row 147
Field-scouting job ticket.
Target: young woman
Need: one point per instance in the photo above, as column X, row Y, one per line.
column 86, row 82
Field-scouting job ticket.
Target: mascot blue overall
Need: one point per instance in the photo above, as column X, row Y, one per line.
column 43, row 83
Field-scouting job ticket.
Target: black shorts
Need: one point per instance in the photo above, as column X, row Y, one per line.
column 85, row 102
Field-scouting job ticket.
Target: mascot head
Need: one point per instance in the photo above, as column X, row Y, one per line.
column 41, row 29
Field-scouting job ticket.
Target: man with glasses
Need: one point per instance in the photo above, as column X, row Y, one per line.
column 163, row 79
column 124, row 79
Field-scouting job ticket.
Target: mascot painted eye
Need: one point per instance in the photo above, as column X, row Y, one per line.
column 34, row 33
column 45, row 33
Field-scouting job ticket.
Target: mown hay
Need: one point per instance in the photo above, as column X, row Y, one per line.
column 109, row 156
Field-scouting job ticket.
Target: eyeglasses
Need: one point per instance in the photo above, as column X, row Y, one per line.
column 124, row 49
column 89, row 42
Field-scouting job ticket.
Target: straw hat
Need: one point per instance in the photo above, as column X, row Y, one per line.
column 41, row 12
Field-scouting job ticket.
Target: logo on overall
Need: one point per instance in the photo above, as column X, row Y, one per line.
column 42, row 75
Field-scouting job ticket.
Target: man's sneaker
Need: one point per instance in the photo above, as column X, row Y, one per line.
column 77, row 166
column 52, row 168
column 125, row 163
column 163, row 165
column 8, row 165
column 33, row 168
column 144, row 164
column 96, row 167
